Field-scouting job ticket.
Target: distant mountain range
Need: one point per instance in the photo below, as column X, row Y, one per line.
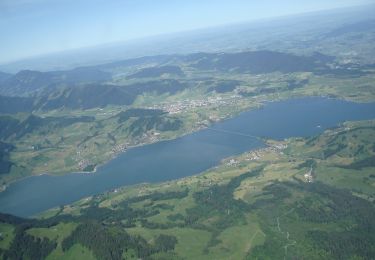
column 17, row 128
column 281, row 34
column 11, row 105
column 257, row 62
column 155, row 72
column 34, row 90
column 4, row 76
column 26, row 82
column 102, row 95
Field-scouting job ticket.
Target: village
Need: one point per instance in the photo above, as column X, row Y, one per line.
column 309, row 176
column 187, row 104
column 260, row 153
column 146, row 138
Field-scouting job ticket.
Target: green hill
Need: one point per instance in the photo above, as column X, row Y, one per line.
column 268, row 204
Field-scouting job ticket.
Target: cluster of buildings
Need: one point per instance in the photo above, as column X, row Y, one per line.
column 278, row 147
column 82, row 164
column 258, row 154
column 181, row 106
column 309, row 176
column 253, row 156
column 232, row 162
column 149, row 137
column 119, row 148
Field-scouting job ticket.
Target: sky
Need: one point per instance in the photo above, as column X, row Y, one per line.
column 36, row 27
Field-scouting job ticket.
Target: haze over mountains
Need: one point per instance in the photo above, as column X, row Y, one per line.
column 69, row 89
column 294, row 31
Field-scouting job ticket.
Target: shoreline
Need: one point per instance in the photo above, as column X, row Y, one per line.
column 4, row 187
column 259, row 105
column 117, row 181
column 191, row 131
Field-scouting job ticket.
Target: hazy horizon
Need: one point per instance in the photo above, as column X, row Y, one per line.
column 43, row 27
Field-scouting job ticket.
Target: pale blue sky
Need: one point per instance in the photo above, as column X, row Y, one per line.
column 34, row 27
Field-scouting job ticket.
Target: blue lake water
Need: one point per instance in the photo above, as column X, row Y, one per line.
column 185, row 156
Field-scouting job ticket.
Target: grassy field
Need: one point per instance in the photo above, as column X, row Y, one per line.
column 76, row 252
column 58, row 232
column 7, row 235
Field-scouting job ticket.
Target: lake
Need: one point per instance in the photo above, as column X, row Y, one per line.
column 187, row 155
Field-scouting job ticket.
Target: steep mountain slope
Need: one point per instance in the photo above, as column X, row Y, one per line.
column 4, row 76
column 28, row 82
column 12, row 105
column 101, row 95
column 12, row 128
